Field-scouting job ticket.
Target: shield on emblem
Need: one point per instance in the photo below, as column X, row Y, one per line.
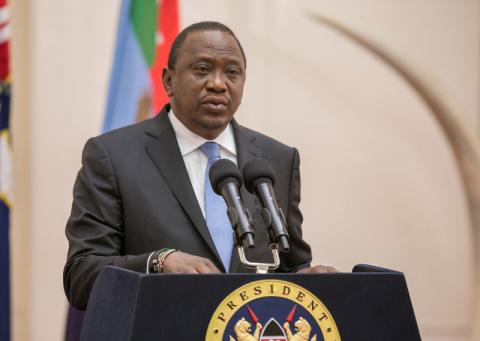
column 273, row 331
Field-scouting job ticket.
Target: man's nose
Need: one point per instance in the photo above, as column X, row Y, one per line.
column 217, row 82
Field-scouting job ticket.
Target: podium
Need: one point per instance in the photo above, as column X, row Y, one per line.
column 368, row 304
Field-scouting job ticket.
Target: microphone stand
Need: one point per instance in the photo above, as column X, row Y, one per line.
column 244, row 239
column 261, row 268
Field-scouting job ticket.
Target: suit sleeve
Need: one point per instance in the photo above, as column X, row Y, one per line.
column 95, row 227
column 300, row 255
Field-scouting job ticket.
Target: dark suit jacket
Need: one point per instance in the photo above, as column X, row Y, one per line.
column 133, row 196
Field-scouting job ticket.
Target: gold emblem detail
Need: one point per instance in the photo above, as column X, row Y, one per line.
column 302, row 328
column 242, row 331
column 250, row 292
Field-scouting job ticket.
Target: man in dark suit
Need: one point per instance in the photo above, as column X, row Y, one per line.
column 139, row 197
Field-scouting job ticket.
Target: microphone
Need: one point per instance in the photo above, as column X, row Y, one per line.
column 259, row 180
column 226, row 180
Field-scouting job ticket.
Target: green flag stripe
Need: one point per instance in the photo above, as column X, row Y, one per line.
column 143, row 14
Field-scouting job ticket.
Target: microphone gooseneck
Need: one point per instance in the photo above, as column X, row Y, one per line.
column 259, row 180
column 226, row 181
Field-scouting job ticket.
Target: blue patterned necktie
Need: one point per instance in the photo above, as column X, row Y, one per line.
column 216, row 209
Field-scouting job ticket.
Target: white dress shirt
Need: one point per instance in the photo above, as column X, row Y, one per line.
column 195, row 160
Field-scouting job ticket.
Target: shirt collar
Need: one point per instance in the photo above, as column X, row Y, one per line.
column 188, row 141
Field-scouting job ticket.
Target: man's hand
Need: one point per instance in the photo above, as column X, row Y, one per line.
column 318, row 269
column 181, row 262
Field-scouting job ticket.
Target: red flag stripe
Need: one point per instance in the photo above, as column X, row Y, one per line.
column 167, row 30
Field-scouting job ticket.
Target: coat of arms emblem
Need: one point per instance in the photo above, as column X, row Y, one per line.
column 272, row 310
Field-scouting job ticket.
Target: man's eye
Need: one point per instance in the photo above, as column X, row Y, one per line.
column 233, row 72
column 202, row 69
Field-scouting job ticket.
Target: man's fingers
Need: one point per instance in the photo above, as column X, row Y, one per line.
column 203, row 269
column 181, row 262
column 212, row 267
column 319, row 269
column 332, row 269
column 186, row 270
column 205, row 266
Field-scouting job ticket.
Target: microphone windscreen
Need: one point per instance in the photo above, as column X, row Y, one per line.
column 257, row 169
column 222, row 170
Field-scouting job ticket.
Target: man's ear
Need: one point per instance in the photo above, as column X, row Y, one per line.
column 167, row 81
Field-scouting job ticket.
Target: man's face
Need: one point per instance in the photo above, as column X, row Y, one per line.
column 206, row 85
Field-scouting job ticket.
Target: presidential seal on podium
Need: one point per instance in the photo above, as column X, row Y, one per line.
column 272, row 310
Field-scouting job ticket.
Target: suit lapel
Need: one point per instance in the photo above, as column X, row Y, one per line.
column 246, row 151
column 164, row 151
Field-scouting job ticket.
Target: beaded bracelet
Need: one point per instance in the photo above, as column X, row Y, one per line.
column 157, row 260
column 155, row 256
column 163, row 257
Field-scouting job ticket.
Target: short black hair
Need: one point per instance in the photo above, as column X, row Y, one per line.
column 200, row 26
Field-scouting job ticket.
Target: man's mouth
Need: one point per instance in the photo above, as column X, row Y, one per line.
column 215, row 104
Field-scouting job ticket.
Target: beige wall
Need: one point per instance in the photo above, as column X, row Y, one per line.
column 62, row 53
column 380, row 184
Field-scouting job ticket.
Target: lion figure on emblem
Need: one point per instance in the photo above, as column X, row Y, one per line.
column 302, row 329
column 242, row 330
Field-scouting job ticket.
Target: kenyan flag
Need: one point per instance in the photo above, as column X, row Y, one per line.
column 146, row 31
